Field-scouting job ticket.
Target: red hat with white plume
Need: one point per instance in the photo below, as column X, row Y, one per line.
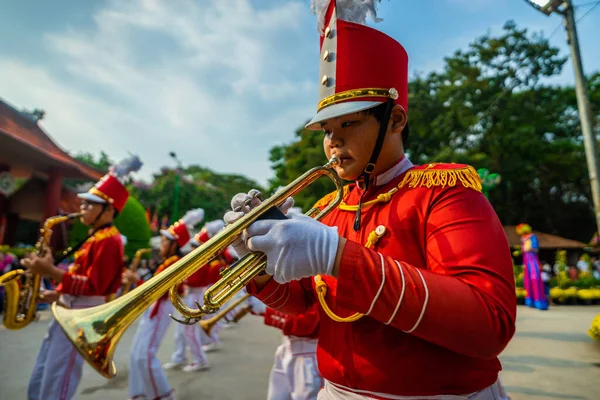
column 110, row 188
column 180, row 230
column 360, row 67
column 209, row 230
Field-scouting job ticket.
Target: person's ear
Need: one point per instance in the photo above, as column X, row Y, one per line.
column 398, row 119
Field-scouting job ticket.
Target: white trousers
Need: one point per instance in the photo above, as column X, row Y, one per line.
column 337, row 392
column 295, row 375
column 191, row 336
column 58, row 366
column 57, row 369
column 147, row 380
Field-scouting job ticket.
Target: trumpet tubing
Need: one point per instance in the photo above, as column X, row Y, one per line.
column 95, row 331
column 22, row 287
column 242, row 313
column 208, row 324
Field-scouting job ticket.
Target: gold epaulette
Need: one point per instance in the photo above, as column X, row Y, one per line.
column 105, row 233
column 166, row 264
column 328, row 198
column 441, row 174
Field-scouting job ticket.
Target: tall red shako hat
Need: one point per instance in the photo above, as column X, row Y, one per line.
column 360, row 67
column 110, row 189
column 180, row 230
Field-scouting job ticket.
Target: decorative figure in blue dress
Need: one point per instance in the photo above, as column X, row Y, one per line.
column 532, row 278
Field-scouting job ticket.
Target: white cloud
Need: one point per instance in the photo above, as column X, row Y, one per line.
column 217, row 82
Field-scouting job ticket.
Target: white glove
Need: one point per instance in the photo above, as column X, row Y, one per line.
column 258, row 307
column 243, row 203
column 295, row 248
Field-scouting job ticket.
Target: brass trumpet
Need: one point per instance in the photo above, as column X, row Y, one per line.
column 96, row 331
column 241, row 314
column 22, row 297
column 208, row 324
column 137, row 258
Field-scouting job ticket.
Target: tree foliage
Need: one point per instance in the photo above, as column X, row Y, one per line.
column 198, row 188
column 291, row 161
column 103, row 162
column 489, row 107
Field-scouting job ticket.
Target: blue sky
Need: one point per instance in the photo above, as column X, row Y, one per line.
column 217, row 81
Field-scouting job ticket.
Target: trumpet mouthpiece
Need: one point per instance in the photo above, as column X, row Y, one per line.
column 333, row 161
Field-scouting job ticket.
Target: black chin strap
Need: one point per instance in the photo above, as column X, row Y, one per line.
column 370, row 167
column 73, row 249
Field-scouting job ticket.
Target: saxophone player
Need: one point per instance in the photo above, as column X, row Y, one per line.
column 94, row 275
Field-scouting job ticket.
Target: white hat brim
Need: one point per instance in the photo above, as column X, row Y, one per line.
column 91, row 197
column 167, row 234
column 337, row 110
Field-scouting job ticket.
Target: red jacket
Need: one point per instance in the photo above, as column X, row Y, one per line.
column 437, row 288
column 302, row 325
column 207, row 275
column 96, row 270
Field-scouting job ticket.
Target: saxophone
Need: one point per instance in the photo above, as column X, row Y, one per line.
column 22, row 287
column 134, row 265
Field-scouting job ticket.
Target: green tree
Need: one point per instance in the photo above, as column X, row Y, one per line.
column 198, row 188
column 103, row 162
column 489, row 107
column 291, row 161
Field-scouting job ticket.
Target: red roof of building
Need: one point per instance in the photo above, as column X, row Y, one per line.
column 24, row 145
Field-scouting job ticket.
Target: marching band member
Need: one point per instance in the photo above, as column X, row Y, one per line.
column 147, row 379
column 193, row 336
column 412, row 271
column 93, row 276
column 294, row 375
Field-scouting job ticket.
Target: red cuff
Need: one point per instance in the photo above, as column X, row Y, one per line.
column 393, row 293
column 73, row 283
column 346, row 277
column 272, row 295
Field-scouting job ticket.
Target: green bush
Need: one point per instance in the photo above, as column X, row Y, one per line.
column 18, row 252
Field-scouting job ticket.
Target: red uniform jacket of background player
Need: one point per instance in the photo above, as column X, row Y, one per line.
column 305, row 325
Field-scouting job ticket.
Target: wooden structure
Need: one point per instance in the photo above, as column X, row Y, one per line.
column 29, row 154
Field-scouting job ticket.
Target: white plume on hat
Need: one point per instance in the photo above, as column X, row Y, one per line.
column 192, row 217
column 349, row 10
column 126, row 166
column 214, row 227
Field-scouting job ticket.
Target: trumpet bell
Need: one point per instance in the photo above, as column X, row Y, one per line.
column 90, row 332
column 96, row 331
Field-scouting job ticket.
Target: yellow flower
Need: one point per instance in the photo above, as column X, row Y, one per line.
column 594, row 330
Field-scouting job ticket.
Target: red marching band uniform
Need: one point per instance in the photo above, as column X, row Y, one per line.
column 94, row 276
column 427, row 235
column 193, row 336
column 147, row 379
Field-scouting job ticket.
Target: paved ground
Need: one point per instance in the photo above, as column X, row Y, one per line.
column 551, row 357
